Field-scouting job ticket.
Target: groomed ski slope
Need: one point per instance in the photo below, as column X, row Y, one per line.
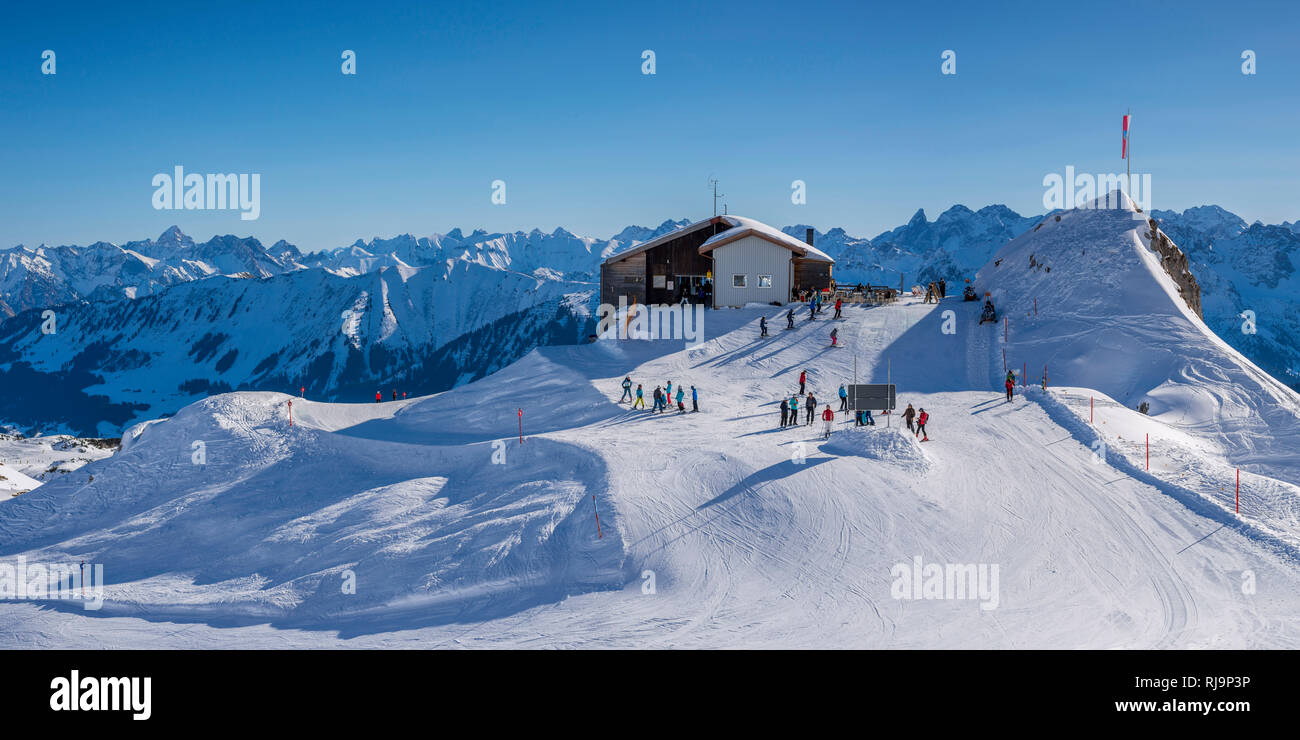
column 748, row 545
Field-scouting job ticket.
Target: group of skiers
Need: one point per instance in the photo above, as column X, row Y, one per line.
column 662, row 397
column 814, row 308
column 790, row 406
column 916, row 422
column 379, row 396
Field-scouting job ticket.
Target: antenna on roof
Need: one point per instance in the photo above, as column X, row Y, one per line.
column 713, row 182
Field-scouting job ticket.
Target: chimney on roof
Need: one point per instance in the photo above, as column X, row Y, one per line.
column 808, row 236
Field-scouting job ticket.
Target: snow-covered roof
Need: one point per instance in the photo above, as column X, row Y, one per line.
column 661, row 239
column 739, row 227
column 742, row 227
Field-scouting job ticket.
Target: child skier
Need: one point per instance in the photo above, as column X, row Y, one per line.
column 762, row 326
column 681, row 407
column 834, row 337
column 789, row 319
column 640, row 398
column 828, row 416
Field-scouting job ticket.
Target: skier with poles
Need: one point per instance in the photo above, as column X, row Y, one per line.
column 640, row 398
column 803, row 379
column 627, row 389
column 907, row 417
column 844, row 398
column 839, row 303
column 785, row 412
column 829, row 417
column 812, row 408
column 789, row 319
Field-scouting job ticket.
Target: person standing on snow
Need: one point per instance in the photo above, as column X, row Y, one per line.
column 394, row 394
column 379, row 397
column 839, row 303
column 828, row 416
column 785, row 412
column 812, row 407
column 627, row 389
column 640, row 398
column 762, row 326
column 844, row 398
column 789, row 319
column 681, row 407
column 659, row 400
column 943, row 288
column 794, row 410
column 812, row 309
column 803, row 379
column 695, row 400
column 907, row 417
column 835, row 334
column 668, row 395
column 920, row 426
column 1011, row 387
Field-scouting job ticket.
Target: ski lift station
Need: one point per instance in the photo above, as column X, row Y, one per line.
column 723, row 261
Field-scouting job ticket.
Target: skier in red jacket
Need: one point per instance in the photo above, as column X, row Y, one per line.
column 378, row 397
column 803, row 379
column 828, row 416
column 921, row 419
column 1010, row 387
column 839, row 302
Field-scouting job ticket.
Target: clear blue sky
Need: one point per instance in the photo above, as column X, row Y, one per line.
column 549, row 97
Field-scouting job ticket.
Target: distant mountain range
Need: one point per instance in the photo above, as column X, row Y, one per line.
column 148, row 326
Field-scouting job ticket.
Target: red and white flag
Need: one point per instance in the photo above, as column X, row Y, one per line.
column 1124, row 151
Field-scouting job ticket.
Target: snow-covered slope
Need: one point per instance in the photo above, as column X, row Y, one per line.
column 1108, row 317
column 715, row 528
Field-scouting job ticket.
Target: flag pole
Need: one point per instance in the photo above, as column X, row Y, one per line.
column 1128, row 152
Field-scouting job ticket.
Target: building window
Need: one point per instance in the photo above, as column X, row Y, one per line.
column 738, row 281
column 764, row 281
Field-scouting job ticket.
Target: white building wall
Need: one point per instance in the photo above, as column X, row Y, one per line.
column 751, row 257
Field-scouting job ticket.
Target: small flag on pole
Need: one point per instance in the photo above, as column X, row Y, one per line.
column 1124, row 151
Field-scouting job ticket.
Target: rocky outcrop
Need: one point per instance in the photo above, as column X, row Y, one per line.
column 1175, row 265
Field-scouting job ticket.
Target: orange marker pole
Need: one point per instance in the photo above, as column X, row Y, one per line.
column 599, row 534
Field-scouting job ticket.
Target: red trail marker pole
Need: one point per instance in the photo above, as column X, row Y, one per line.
column 290, row 413
column 521, row 426
column 599, row 534
column 1238, row 490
